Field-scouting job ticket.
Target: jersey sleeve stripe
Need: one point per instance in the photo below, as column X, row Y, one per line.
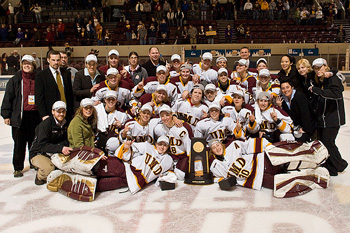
column 283, row 126
column 237, row 134
column 252, row 127
column 121, row 152
column 228, row 98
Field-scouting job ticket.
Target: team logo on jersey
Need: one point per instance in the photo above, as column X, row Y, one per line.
column 267, row 125
column 237, row 169
column 146, row 138
column 188, row 118
column 220, row 133
column 153, row 164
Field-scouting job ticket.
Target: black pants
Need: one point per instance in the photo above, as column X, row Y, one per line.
column 335, row 163
column 24, row 136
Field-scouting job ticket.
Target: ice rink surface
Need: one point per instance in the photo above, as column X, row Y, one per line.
column 25, row 207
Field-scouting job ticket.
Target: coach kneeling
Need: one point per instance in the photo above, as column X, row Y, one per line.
column 50, row 138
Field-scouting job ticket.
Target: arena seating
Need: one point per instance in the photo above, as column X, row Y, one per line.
column 262, row 31
column 279, row 31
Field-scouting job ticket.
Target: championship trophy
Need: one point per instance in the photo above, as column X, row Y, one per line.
column 198, row 170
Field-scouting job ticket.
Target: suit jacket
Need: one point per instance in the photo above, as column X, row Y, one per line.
column 252, row 64
column 47, row 93
column 82, row 85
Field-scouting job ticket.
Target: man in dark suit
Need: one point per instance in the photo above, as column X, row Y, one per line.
column 245, row 54
column 52, row 85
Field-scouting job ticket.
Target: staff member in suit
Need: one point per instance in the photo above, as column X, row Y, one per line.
column 298, row 107
column 52, row 85
column 87, row 80
column 245, row 54
column 20, row 111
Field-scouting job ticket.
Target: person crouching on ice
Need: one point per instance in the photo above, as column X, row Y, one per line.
column 50, row 138
column 289, row 173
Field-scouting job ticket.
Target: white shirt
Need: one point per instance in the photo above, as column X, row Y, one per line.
column 54, row 73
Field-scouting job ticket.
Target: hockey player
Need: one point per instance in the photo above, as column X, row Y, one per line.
column 221, row 62
column 114, row 82
column 243, row 116
column 174, row 68
column 184, row 81
column 137, row 165
column 226, row 87
column 156, row 99
column 141, row 128
column 273, row 122
column 191, row 110
column 265, row 84
column 151, row 84
column 113, row 62
column 179, row 140
column 211, row 95
column 252, row 169
column 109, row 122
column 217, row 126
column 205, row 74
column 242, row 76
column 261, row 63
column 245, row 160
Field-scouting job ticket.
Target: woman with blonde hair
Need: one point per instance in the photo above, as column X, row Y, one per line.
column 304, row 69
column 81, row 130
column 306, row 73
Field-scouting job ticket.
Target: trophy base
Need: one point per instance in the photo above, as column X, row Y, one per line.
column 206, row 179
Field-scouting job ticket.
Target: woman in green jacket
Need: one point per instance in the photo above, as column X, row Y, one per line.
column 81, row 128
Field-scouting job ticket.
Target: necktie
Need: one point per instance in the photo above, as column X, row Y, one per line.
column 60, row 86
